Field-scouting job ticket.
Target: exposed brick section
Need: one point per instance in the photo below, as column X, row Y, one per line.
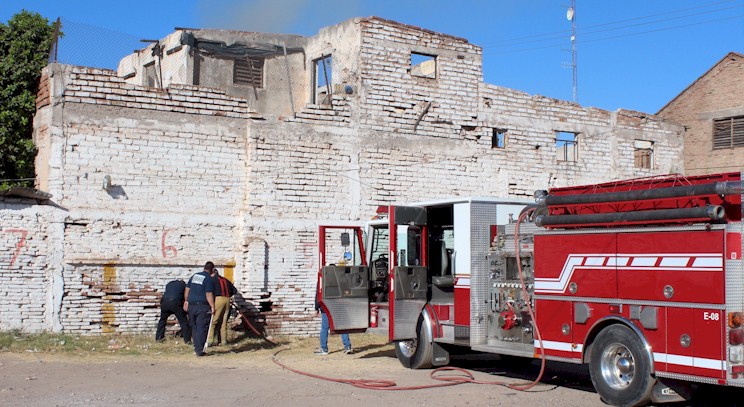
column 185, row 168
column 396, row 100
column 715, row 95
column 605, row 140
column 42, row 95
column 103, row 87
column 338, row 113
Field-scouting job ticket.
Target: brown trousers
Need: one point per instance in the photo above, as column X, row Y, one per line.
column 218, row 330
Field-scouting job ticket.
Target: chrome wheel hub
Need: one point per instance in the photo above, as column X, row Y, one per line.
column 618, row 366
column 407, row 348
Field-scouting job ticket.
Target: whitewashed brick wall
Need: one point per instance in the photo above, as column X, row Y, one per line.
column 196, row 176
column 29, row 250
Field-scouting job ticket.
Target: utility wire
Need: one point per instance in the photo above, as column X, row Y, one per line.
column 663, row 29
column 583, row 33
column 618, row 36
column 568, row 32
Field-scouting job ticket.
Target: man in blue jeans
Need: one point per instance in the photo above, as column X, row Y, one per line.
column 324, row 328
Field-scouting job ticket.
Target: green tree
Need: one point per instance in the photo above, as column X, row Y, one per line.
column 24, row 51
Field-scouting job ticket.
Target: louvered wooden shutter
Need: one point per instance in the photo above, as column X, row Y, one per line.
column 728, row 132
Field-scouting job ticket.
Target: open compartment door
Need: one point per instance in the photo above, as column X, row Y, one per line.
column 343, row 278
column 409, row 280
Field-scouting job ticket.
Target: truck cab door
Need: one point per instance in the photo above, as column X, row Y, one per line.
column 343, row 278
column 409, row 280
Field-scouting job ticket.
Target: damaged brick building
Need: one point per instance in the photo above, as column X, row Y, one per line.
column 232, row 147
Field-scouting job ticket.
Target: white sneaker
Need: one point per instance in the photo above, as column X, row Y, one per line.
column 348, row 351
column 320, row 351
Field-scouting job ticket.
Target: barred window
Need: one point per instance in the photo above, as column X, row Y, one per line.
column 566, row 146
column 643, row 154
column 248, row 72
column 728, row 132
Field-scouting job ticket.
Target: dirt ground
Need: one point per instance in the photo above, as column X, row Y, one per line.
column 249, row 376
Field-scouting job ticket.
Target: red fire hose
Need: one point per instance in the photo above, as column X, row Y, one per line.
column 245, row 319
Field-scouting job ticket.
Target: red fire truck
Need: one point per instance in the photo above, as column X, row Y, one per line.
column 641, row 279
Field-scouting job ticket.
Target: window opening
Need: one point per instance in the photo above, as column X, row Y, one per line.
column 423, row 66
column 566, row 145
column 323, row 77
column 643, row 154
column 379, row 263
column 380, row 243
column 409, row 245
column 248, row 72
column 151, row 77
column 498, row 139
column 728, row 132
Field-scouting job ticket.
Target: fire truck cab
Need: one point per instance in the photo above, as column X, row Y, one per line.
column 641, row 279
column 413, row 273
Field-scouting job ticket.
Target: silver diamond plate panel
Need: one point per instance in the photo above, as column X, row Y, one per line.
column 406, row 318
column 462, row 332
column 564, row 360
column 735, row 275
column 734, row 284
column 482, row 216
column 348, row 313
column 688, row 378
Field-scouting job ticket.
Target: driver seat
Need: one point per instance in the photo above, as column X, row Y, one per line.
column 442, row 275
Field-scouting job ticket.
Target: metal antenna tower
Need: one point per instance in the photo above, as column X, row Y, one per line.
column 571, row 16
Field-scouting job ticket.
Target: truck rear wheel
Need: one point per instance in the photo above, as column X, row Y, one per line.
column 416, row 353
column 620, row 367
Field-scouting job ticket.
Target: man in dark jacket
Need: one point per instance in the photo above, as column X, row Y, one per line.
column 172, row 304
column 200, row 305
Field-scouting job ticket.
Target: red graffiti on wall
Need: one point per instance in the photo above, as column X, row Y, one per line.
column 21, row 242
column 167, row 249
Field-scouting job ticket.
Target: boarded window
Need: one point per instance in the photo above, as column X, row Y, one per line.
column 498, row 139
column 643, row 154
column 728, row 132
column 423, row 66
column 566, row 146
column 322, row 80
column 248, row 72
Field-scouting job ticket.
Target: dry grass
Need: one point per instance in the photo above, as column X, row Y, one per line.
column 145, row 345
column 133, row 344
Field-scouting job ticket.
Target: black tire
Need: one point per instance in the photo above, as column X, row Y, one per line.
column 620, row 367
column 416, row 353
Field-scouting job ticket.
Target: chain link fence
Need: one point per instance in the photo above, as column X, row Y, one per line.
column 275, row 73
column 89, row 45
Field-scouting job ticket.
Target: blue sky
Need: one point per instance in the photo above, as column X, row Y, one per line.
column 631, row 54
